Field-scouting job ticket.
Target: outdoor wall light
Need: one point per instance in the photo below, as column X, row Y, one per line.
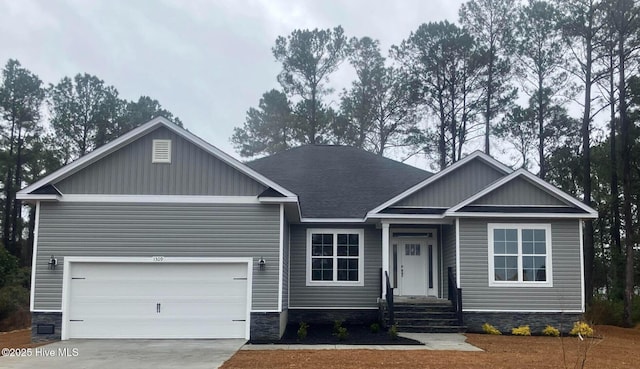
column 262, row 263
column 52, row 262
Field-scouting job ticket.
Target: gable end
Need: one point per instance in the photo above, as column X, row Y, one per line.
column 160, row 163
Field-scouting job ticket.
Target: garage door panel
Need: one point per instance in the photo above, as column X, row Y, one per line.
column 120, row 300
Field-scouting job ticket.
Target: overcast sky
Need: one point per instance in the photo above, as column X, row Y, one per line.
column 206, row 61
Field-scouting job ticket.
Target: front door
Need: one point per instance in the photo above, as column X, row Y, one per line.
column 413, row 268
column 418, row 266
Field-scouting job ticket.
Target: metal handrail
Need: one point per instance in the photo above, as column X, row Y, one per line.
column 389, row 298
column 455, row 296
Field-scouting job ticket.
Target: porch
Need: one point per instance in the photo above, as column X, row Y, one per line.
column 419, row 291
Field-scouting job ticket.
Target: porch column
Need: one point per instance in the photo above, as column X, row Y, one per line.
column 385, row 256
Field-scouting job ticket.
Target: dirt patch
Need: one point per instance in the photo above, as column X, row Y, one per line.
column 616, row 349
column 18, row 339
column 320, row 334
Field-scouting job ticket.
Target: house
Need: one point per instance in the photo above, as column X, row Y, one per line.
column 158, row 234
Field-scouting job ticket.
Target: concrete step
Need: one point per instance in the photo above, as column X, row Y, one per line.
column 424, row 314
column 422, row 307
column 432, row 329
column 426, row 322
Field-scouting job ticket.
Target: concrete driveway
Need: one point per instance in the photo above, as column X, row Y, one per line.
column 122, row 354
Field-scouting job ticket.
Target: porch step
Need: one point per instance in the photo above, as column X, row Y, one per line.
column 433, row 329
column 408, row 314
column 425, row 315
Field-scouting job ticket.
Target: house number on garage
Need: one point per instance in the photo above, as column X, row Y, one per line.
column 158, row 258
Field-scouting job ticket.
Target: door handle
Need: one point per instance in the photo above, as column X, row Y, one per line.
column 158, row 308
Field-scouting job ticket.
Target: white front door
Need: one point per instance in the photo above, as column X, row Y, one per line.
column 412, row 268
column 418, row 267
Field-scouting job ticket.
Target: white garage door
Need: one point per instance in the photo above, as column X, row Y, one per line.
column 157, row 300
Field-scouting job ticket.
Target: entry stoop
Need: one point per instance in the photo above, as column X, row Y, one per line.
column 428, row 315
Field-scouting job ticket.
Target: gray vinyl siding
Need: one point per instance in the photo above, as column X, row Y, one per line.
column 477, row 295
column 129, row 171
column 519, row 191
column 328, row 296
column 152, row 229
column 458, row 185
column 448, row 254
column 285, row 267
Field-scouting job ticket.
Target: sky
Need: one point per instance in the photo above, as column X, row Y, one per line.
column 206, row 61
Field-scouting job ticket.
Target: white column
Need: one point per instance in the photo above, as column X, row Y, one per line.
column 385, row 256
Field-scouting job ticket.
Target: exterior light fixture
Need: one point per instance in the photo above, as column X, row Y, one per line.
column 262, row 263
column 53, row 262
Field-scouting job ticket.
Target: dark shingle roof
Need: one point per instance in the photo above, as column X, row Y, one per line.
column 338, row 181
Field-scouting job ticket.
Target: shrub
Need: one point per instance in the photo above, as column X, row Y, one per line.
column 393, row 332
column 551, row 331
column 610, row 312
column 302, row 331
column 375, row 328
column 342, row 333
column 522, row 330
column 581, row 328
column 337, row 324
column 9, row 266
column 12, row 299
column 489, row 329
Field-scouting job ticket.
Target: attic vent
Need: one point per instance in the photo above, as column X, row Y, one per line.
column 161, row 151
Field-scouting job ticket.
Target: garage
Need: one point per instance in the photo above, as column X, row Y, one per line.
column 155, row 298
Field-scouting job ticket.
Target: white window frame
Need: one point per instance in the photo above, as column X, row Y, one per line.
column 548, row 255
column 335, row 232
column 154, row 159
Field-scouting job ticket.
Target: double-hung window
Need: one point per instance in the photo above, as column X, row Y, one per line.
column 520, row 255
column 335, row 257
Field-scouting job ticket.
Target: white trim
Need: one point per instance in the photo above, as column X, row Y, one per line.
column 523, row 215
column 277, row 200
column 406, row 216
column 458, row 252
column 418, row 221
column 536, row 182
column 289, row 267
column 46, row 311
column 520, row 311
column 335, row 282
column 34, row 258
column 582, row 302
column 333, row 308
column 476, row 154
column 66, row 277
column 281, row 257
column 141, row 130
column 332, row 220
column 386, row 240
column 548, row 255
column 161, row 199
column 441, row 269
column 265, row 311
column 22, row 196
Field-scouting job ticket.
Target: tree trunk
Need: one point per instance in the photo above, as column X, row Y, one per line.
column 586, row 177
column 616, row 252
column 541, row 129
column 487, row 128
column 26, row 260
column 16, row 212
column 626, row 177
column 8, row 195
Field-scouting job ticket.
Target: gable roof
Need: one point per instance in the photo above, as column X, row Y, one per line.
column 34, row 190
column 476, row 155
column 467, row 206
column 338, row 182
